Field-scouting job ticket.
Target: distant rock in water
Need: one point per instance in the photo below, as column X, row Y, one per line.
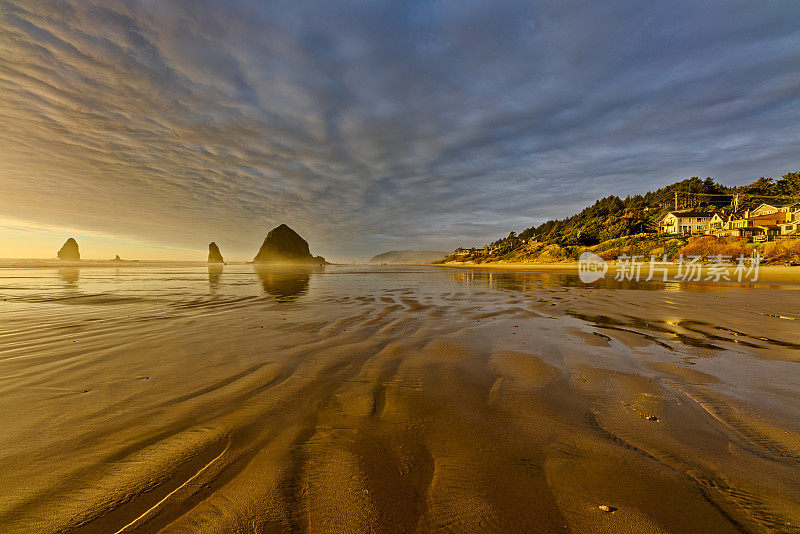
column 284, row 245
column 117, row 259
column 409, row 256
column 70, row 252
column 214, row 255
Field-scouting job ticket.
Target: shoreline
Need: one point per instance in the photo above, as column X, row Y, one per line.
column 766, row 273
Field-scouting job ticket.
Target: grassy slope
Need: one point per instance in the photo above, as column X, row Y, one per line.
column 645, row 245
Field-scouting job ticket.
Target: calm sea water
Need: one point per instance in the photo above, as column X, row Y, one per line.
column 177, row 283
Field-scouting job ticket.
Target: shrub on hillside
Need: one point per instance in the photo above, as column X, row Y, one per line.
column 552, row 253
column 672, row 246
column 709, row 246
column 611, row 254
column 643, row 245
column 783, row 251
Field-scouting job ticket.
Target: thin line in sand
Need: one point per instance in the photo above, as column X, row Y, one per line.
column 171, row 493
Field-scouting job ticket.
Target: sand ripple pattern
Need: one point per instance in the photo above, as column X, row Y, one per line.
column 397, row 402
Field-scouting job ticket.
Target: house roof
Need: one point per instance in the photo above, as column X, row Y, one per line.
column 690, row 213
column 767, row 217
column 765, row 204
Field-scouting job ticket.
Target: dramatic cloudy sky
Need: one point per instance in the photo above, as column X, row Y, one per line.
column 152, row 127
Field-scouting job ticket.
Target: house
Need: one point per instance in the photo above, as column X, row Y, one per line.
column 716, row 223
column 791, row 228
column 774, row 218
column 747, row 232
column 750, row 220
column 685, row 222
column 764, row 227
column 769, row 209
column 769, row 233
column 794, row 209
column 764, row 209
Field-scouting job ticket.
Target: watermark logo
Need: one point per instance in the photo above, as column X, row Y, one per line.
column 719, row 268
column 591, row 267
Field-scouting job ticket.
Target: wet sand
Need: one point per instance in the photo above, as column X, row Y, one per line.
column 227, row 399
column 766, row 273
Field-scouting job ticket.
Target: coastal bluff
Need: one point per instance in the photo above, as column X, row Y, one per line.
column 214, row 255
column 69, row 251
column 284, row 245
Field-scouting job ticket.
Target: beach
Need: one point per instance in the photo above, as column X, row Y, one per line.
column 193, row 398
column 765, row 273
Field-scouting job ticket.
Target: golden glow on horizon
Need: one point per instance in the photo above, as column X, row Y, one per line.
column 29, row 240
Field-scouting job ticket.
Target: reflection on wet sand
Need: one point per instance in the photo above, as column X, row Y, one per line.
column 514, row 280
column 69, row 275
column 395, row 400
column 285, row 283
column 214, row 275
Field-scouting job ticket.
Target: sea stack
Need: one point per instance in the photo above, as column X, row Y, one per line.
column 214, row 255
column 284, row 245
column 70, row 252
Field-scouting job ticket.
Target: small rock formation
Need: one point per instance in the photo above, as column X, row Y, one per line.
column 70, row 252
column 214, row 255
column 284, row 245
column 117, row 258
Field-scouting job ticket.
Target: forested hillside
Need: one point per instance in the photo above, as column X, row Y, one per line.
column 613, row 218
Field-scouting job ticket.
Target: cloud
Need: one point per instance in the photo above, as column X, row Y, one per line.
column 374, row 125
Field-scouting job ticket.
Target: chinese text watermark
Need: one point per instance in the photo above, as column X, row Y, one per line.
column 719, row 268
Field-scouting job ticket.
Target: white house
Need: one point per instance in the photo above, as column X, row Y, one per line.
column 685, row 222
column 716, row 223
column 791, row 228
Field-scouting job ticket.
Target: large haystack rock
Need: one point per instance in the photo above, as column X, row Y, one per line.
column 214, row 255
column 70, row 252
column 284, row 245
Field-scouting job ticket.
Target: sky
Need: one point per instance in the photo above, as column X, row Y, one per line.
column 148, row 128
